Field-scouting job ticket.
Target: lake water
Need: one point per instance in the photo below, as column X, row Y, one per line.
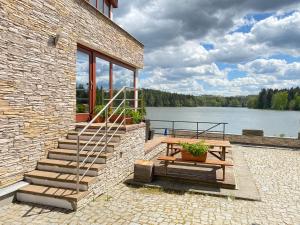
column 274, row 123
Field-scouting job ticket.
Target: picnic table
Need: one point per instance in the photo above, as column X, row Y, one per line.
column 223, row 144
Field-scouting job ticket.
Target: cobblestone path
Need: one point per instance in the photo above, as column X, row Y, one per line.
column 276, row 172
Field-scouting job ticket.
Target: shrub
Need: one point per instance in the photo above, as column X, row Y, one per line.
column 196, row 149
column 136, row 117
column 80, row 108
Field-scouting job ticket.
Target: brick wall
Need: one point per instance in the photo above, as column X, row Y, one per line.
column 38, row 79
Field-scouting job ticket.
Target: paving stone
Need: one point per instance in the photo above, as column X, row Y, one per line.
column 277, row 182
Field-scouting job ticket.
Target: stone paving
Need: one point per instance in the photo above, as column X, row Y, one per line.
column 276, row 172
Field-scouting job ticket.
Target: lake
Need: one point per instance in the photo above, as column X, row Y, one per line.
column 274, row 123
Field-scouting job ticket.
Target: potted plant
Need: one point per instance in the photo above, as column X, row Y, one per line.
column 194, row 152
column 97, row 109
column 132, row 116
column 118, row 116
column 136, row 117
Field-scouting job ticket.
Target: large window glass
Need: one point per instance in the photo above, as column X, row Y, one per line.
column 82, row 81
column 100, row 5
column 122, row 77
column 93, row 2
column 106, row 8
column 102, row 81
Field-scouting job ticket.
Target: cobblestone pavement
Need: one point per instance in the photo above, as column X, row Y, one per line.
column 276, row 171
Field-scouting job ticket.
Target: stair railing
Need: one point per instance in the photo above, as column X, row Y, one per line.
column 106, row 138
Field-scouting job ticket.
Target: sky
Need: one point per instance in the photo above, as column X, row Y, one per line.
column 219, row 47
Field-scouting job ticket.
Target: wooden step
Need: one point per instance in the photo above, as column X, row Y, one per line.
column 71, row 155
column 64, row 166
column 60, row 180
column 95, row 127
column 51, row 196
column 72, row 144
column 86, row 136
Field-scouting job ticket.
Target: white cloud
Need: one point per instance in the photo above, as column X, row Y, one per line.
column 272, row 67
column 189, row 53
column 175, row 60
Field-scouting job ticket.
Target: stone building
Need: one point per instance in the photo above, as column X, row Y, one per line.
column 58, row 60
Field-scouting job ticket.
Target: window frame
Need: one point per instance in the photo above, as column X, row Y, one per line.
column 104, row 4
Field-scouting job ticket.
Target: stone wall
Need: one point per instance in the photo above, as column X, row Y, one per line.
column 38, row 79
column 155, row 151
column 121, row 165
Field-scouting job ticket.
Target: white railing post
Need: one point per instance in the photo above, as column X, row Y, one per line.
column 124, row 107
column 106, row 125
column 135, row 90
column 77, row 166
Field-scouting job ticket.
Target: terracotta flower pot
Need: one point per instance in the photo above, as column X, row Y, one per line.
column 186, row 156
column 120, row 119
column 100, row 119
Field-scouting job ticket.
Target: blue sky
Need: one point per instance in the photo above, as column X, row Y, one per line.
column 215, row 47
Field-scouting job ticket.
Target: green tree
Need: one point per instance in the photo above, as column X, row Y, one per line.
column 252, row 102
column 297, row 103
column 292, row 105
column 280, row 101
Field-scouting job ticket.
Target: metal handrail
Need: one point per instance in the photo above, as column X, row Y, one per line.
column 198, row 131
column 107, row 140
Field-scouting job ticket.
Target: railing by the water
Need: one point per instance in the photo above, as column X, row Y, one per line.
column 192, row 129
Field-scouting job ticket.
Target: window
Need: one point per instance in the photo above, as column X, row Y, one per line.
column 102, row 80
column 106, row 9
column 122, row 77
column 100, row 5
column 103, row 6
column 82, row 81
column 93, row 3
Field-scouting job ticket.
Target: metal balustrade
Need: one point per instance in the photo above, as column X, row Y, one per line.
column 106, row 127
column 172, row 127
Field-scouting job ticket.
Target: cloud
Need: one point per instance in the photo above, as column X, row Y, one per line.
column 272, row 67
column 175, row 59
column 189, row 53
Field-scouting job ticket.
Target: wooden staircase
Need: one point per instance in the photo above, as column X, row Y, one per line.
column 53, row 183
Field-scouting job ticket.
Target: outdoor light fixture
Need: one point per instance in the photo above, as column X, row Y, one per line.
column 55, row 39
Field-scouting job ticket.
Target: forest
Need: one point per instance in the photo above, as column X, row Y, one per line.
column 284, row 99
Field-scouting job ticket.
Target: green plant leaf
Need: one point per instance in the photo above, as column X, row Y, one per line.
column 195, row 149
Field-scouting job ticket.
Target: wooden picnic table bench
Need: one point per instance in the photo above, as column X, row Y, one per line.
column 173, row 159
column 223, row 144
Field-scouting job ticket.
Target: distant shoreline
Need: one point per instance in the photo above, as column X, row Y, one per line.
column 276, row 110
column 271, row 99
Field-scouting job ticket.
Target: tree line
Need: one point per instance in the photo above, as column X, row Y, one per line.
column 285, row 99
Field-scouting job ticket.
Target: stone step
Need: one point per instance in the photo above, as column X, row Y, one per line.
column 59, row 180
column 71, row 155
column 64, row 166
column 86, row 136
column 50, row 196
column 72, row 144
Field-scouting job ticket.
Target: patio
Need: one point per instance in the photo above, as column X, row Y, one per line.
column 277, row 183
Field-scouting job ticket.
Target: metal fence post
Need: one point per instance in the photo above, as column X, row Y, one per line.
column 173, row 128
column 223, row 131
column 197, row 130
